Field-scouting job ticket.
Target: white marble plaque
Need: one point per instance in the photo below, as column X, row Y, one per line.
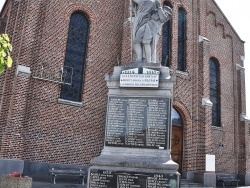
column 139, row 80
column 210, row 163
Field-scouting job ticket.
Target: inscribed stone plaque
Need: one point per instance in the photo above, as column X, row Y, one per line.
column 137, row 122
column 139, row 80
column 123, row 179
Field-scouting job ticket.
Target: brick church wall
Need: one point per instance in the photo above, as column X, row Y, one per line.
column 227, row 47
column 57, row 132
column 58, row 126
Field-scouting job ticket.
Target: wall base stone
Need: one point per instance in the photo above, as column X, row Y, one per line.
column 188, row 175
column 209, row 179
column 247, row 179
column 15, row 182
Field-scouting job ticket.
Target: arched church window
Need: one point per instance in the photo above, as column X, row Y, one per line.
column 181, row 39
column 166, row 40
column 215, row 91
column 75, row 56
column 176, row 118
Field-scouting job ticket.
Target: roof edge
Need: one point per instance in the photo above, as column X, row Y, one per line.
column 4, row 5
column 228, row 21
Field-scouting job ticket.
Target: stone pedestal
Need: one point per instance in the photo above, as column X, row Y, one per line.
column 15, row 182
column 209, row 179
column 138, row 129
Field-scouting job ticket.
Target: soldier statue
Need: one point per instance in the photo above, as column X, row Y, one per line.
column 148, row 18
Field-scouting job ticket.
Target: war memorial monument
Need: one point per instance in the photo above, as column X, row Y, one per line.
column 137, row 146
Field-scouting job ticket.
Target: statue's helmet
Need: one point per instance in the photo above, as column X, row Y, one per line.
column 167, row 9
column 165, row 13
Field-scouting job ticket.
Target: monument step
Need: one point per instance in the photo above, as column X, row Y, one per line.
column 59, row 185
column 185, row 183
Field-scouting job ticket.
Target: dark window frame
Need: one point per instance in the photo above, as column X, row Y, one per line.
column 167, row 32
column 214, row 82
column 182, row 32
column 75, row 56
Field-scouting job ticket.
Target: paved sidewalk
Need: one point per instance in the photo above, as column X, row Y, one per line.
column 50, row 185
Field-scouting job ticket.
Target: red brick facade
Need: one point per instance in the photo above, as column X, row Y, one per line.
column 34, row 126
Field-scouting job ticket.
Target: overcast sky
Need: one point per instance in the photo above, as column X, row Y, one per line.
column 1, row 3
column 238, row 14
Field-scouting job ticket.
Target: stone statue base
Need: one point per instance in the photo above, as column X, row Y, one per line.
column 138, row 129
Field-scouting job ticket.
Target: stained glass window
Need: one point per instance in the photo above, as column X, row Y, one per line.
column 166, row 41
column 75, row 56
column 215, row 91
column 181, row 39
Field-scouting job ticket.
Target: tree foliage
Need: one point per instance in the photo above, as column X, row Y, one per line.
column 5, row 50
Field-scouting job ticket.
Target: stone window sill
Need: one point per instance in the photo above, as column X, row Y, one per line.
column 72, row 103
column 217, row 128
column 181, row 74
column 184, row 73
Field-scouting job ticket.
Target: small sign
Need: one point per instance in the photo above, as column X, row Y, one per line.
column 210, row 163
column 139, row 80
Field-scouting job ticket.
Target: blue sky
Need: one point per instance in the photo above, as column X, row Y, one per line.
column 238, row 17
